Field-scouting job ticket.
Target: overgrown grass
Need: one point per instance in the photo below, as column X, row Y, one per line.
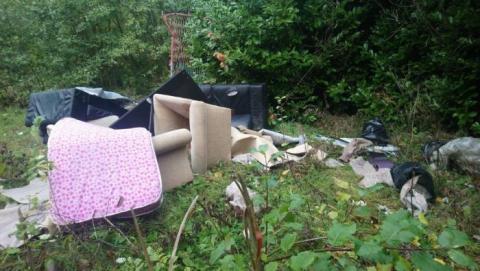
column 305, row 200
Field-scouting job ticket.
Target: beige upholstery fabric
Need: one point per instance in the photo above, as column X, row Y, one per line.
column 172, row 157
column 104, row 122
column 208, row 124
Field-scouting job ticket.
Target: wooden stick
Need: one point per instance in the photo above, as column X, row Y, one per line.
column 142, row 241
column 173, row 258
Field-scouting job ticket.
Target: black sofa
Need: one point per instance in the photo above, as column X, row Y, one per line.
column 248, row 102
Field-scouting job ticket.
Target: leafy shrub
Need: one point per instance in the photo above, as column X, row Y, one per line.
column 402, row 60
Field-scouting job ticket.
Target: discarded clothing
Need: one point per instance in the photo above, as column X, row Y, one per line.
column 462, row 153
column 99, row 172
column 371, row 176
column 236, row 200
column 353, row 148
column 404, row 172
column 379, row 160
column 415, row 196
column 375, row 131
column 24, row 209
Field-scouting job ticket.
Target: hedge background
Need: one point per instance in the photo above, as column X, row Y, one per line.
column 412, row 62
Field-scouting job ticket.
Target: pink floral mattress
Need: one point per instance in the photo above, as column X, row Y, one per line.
column 99, row 172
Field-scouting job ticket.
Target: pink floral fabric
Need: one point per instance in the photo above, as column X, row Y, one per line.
column 99, row 172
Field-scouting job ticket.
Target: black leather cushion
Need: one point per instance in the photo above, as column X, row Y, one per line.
column 243, row 99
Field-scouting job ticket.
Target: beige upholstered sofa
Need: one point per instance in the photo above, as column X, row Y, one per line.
column 172, row 156
column 209, row 126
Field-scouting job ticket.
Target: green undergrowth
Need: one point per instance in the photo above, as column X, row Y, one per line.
column 317, row 218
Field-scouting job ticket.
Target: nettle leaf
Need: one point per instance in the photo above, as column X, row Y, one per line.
column 425, row 262
column 462, row 259
column 220, row 250
column 287, row 241
column 453, row 238
column 296, row 201
column 339, row 234
column 272, row 182
column 369, row 249
column 273, row 266
column 399, row 227
column 323, row 263
column 302, row 260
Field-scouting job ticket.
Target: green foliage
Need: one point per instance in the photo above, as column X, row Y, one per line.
column 339, row 234
column 406, row 61
column 113, row 44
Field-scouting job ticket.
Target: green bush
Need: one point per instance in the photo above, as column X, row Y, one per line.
column 61, row 43
column 412, row 62
column 402, row 60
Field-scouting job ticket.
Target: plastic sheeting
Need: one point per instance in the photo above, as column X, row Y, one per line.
column 81, row 103
column 462, row 153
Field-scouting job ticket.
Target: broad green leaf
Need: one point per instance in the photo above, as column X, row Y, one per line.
column 425, row 262
column 384, row 267
column 422, row 219
column 453, row 238
column 462, row 259
column 287, row 241
column 220, row 249
column 339, row 234
column 302, row 260
column 322, row 263
column 369, row 249
column 273, row 266
column 402, row 265
column 400, row 227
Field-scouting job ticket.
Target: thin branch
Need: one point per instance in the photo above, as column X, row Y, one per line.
column 173, row 258
column 121, row 232
column 142, row 241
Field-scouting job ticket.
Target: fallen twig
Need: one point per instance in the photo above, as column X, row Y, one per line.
column 173, row 258
column 142, row 241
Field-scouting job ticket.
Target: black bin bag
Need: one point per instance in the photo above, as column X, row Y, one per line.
column 375, row 131
column 402, row 173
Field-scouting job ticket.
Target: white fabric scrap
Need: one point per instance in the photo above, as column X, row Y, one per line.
column 371, row 176
column 414, row 196
column 354, row 147
column 235, row 198
column 13, row 214
column 37, row 188
column 333, row 163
